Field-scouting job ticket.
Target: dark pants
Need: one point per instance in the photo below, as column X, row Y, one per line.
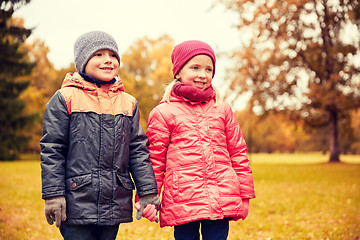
column 88, row 232
column 210, row 230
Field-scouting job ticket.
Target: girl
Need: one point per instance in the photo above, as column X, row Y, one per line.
column 197, row 151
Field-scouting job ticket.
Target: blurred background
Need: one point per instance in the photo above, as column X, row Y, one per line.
column 289, row 69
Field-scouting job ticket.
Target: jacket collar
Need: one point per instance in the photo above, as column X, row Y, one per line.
column 176, row 98
column 76, row 80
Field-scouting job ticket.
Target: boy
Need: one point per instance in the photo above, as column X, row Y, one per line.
column 92, row 141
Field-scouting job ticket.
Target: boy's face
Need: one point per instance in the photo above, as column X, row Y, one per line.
column 103, row 65
column 197, row 72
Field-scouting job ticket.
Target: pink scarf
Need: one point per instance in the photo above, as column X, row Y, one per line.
column 193, row 94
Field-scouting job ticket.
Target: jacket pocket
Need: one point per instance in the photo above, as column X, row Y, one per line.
column 126, row 183
column 74, row 183
column 81, row 198
column 187, row 186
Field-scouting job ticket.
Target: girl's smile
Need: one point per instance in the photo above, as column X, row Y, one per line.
column 198, row 72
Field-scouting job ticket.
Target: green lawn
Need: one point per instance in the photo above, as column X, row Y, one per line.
column 298, row 197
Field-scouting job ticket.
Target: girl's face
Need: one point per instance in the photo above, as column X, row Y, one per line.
column 198, row 72
column 103, row 65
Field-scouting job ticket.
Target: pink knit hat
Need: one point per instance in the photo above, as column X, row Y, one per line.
column 184, row 51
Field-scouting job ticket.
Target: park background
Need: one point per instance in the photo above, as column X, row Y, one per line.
column 292, row 79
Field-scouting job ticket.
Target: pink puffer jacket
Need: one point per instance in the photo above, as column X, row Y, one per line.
column 200, row 157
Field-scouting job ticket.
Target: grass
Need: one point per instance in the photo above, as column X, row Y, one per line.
column 298, row 158
column 298, row 197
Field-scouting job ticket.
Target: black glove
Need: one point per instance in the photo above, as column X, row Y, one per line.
column 55, row 209
column 148, row 199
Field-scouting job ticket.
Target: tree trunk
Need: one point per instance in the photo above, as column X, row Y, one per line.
column 334, row 142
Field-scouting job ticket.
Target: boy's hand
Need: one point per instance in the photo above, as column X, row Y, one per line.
column 152, row 199
column 55, row 209
column 149, row 212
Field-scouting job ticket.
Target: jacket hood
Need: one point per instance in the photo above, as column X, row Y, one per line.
column 75, row 80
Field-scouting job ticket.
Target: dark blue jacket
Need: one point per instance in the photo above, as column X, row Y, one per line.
column 93, row 149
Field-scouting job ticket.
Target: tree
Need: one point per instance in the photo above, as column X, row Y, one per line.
column 44, row 76
column 271, row 132
column 13, row 68
column 300, row 58
column 145, row 70
column 44, row 81
column 355, row 146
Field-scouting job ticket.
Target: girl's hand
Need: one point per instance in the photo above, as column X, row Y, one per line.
column 149, row 212
column 245, row 203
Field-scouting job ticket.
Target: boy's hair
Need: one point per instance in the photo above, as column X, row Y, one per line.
column 88, row 44
column 184, row 51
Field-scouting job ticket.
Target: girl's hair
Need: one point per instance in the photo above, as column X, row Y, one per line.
column 170, row 86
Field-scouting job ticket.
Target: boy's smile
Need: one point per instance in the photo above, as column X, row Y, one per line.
column 103, row 65
column 107, row 68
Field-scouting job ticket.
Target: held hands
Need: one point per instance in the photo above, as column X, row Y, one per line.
column 149, row 212
column 55, row 210
column 148, row 207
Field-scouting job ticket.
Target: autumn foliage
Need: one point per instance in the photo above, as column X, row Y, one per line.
column 284, row 68
column 14, row 68
column 301, row 58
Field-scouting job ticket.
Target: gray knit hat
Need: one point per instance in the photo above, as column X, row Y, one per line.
column 88, row 44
